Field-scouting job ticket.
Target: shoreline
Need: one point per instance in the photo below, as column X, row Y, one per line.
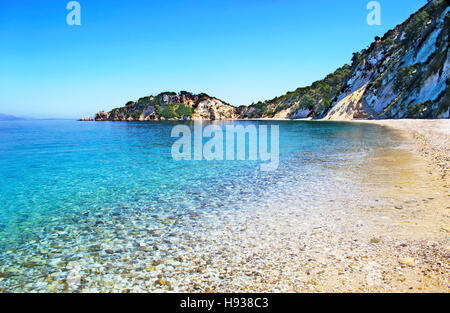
column 431, row 139
column 431, row 136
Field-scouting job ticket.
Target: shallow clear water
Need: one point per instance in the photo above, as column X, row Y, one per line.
column 70, row 191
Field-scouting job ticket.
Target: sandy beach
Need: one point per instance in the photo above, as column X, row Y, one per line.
column 431, row 138
column 389, row 239
column 396, row 239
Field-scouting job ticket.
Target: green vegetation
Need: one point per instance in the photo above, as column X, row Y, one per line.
column 440, row 56
column 174, row 110
column 168, row 112
column 163, row 107
column 437, row 62
column 406, row 76
column 166, row 93
column 388, row 42
column 378, row 82
column 184, row 110
column 136, row 114
column 436, row 7
column 420, row 110
column 202, row 97
column 357, row 59
column 158, row 109
column 307, row 101
column 318, row 97
column 261, row 109
column 444, row 101
column 415, row 27
column 144, row 102
column 321, row 94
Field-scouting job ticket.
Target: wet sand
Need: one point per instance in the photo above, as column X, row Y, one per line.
column 431, row 138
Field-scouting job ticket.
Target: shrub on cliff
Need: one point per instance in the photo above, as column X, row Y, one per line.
column 136, row 114
column 183, row 110
column 318, row 97
column 415, row 28
column 405, row 78
column 168, row 112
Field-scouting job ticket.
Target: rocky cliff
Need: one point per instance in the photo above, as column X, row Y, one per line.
column 171, row 106
column 404, row 74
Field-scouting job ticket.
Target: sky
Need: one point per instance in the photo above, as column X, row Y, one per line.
column 240, row 51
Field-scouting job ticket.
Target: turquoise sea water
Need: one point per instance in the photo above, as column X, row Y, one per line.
column 69, row 191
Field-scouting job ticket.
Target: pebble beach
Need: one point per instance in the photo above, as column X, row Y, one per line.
column 366, row 222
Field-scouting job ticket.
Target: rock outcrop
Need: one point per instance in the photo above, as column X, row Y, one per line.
column 214, row 109
column 172, row 106
column 404, row 74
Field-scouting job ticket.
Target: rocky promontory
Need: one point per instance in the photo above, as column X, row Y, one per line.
column 172, row 106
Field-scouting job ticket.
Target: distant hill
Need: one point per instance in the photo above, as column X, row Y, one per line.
column 171, row 106
column 4, row 117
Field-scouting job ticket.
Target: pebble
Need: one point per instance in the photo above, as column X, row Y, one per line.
column 407, row 261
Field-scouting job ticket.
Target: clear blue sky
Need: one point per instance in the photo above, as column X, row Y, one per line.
column 240, row 51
